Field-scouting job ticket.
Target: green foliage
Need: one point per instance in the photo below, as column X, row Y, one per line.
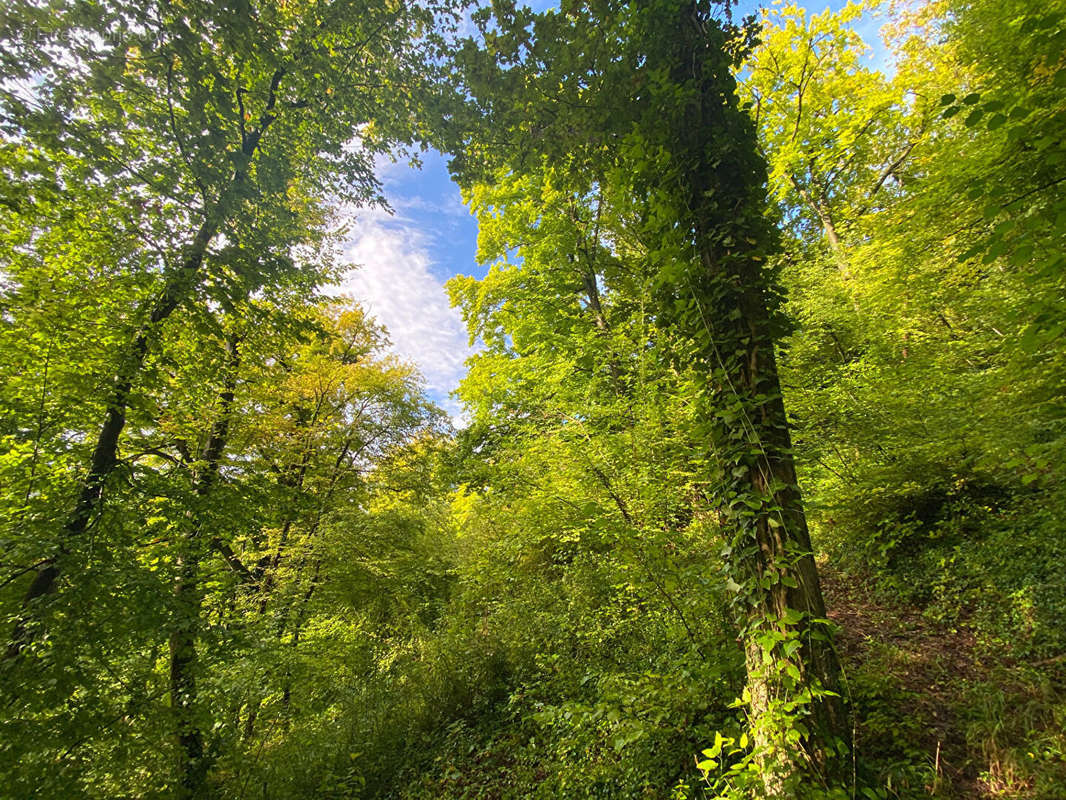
column 274, row 571
column 921, row 371
column 189, row 430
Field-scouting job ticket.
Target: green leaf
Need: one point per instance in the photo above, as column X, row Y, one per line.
column 996, row 121
column 793, row 616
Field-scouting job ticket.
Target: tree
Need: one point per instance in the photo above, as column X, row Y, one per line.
column 837, row 133
column 678, row 159
column 168, row 168
column 220, row 129
column 919, row 392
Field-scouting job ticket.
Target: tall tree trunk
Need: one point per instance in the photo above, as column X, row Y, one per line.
column 188, row 599
column 105, row 453
column 268, row 575
column 820, row 208
column 192, row 762
column 777, row 564
column 782, row 566
column 294, row 642
column 720, row 180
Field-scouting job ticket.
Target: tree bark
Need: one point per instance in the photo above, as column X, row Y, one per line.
column 193, row 763
column 776, row 561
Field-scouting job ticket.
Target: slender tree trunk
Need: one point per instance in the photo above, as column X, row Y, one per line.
column 249, row 723
column 267, row 574
column 294, row 643
column 105, row 453
column 829, row 228
column 192, row 762
column 188, row 600
column 836, row 247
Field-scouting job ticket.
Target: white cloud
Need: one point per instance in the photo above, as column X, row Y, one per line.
column 394, row 282
column 450, row 207
column 390, row 169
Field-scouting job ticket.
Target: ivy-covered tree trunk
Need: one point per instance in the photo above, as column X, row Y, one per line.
column 797, row 717
column 653, row 120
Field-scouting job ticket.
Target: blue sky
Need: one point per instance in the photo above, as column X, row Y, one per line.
column 402, row 260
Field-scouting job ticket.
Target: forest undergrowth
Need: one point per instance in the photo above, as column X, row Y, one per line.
column 938, row 710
